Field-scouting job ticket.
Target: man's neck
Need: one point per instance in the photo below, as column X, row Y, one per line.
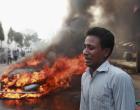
column 95, row 67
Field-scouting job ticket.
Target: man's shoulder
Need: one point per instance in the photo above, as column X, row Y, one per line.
column 116, row 70
column 119, row 73
column 85, row 74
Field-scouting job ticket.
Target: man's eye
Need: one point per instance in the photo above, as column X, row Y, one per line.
column 91, row 48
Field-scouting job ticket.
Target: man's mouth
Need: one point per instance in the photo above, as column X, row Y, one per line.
column 88, row 58
column 87, row 61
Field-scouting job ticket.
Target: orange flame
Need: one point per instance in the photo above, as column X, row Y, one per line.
column 49, row 79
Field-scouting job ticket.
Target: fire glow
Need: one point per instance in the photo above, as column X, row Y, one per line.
column 49, row 79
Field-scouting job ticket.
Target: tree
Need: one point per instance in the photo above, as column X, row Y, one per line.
column 30, row 37
column 1, row 34
column 27, row 42
column 18, row 38
column 10, row 35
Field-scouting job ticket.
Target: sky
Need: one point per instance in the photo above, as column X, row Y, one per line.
column 42, row 16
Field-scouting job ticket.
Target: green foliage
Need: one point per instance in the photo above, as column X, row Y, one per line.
column 22, row 39
column 32, row 37
column 10, row 35
column 27, row 42
column 1, row 33
column 18, row 38
column 15, row 36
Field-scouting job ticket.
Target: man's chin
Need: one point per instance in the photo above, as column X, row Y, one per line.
column 89, row 65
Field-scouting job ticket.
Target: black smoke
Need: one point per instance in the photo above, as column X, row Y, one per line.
column 71, row 36
column 120, row 16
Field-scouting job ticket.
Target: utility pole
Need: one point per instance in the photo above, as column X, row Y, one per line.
column 136, row 27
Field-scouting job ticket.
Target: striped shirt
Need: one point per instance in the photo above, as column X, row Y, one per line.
column 108, row 88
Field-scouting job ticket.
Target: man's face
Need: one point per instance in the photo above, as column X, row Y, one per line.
column 94, row 54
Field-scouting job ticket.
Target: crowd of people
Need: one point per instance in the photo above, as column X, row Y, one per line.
column 7, row 55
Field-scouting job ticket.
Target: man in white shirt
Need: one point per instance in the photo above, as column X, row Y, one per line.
column 104, row 86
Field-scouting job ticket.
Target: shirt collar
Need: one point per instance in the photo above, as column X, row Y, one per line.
column 103, row 67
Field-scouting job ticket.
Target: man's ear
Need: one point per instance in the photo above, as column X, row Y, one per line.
column 106, row 52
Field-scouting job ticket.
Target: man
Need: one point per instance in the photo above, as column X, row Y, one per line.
column 104, row 86
column 9, row 57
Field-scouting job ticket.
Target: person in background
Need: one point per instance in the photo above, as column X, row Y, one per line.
column 9, row 56
column 15, row 54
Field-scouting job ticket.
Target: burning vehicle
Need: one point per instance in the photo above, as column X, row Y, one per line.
column 41, row 82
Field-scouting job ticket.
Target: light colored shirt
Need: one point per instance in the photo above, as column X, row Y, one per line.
column 108, row 88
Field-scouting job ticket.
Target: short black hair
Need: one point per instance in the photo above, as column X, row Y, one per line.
column 106, row 37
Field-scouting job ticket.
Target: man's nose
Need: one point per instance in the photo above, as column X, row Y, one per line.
column 85, row 51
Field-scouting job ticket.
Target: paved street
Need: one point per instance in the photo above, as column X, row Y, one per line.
column 2, row 67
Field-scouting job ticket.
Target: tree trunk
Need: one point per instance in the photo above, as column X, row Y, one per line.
column 1, row 44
